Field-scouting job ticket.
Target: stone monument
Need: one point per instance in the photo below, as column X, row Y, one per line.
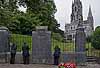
column 41, row 45
column 80, row 41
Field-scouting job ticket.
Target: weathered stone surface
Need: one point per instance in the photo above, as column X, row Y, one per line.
column 68, row 57
column 41, row 46
column 3, row 40
column 80, row 58
column 4, row 47
column 80, row 40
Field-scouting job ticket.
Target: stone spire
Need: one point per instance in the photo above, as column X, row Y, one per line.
column 90, row 18
column 72, row 11
column 76, row 0
column 90, row 12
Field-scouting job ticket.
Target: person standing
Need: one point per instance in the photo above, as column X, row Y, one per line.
column 13, row 53
column 25, row 53
column 56, row 55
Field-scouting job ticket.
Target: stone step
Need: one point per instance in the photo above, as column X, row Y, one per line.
column 91, row 59
column 91, row 62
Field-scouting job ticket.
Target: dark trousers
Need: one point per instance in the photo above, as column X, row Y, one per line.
column 12, row 59
column 26, row 59
column 56, row 60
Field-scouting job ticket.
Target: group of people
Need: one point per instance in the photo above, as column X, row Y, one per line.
column 25, row 54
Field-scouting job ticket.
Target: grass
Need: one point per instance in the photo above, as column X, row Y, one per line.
column 69, row 47
column 91, row 51
column 20, row 39
column 65, row 47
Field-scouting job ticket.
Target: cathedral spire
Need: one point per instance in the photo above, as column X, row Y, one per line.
column 90, row 18
column 76, row 0
column 90, row 12
column 72, row 3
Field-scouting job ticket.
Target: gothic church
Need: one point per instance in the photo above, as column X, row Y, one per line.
column 77, row 19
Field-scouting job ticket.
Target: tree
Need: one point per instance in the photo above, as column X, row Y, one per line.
column 39, row 13
column 44, row 10
column 24, row 23
column 10, row 5
column 96, row 38
column 7, row 11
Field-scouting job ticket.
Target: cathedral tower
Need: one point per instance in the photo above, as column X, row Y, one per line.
column 76, row 12
column 78, row 22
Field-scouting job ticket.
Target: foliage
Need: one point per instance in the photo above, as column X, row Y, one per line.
column 88, row 39
column 57, row 36
column 96, row 38
column 10, row 5
column 20, row 39
column 44, row 10
column 8, row 9
column 39, row 13
column 22, row 24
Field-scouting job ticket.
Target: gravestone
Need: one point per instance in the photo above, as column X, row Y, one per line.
column 4, row 47
column 41, row 45
column 80, row 41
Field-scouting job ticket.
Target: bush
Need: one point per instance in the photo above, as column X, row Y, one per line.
column 96, row 42
column 96, row 38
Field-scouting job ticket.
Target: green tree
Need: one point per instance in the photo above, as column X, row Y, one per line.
column 96, row 38
column 23, row 23
column 39, row 13
column 44, row 10
column 7, row 11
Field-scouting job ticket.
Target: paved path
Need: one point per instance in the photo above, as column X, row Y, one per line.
column 26, row 66
column 42, row 66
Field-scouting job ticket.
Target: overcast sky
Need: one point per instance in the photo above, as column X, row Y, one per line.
column 64, row 11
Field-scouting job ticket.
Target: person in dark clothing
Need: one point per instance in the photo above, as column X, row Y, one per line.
column 13, row 53
column 56, row 55
column 25, row 53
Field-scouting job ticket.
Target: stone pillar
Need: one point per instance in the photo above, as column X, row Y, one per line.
column 80, row 41
column 41, row 45
column 4, row 47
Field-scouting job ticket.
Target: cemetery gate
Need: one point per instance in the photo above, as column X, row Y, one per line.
column 68, row 47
